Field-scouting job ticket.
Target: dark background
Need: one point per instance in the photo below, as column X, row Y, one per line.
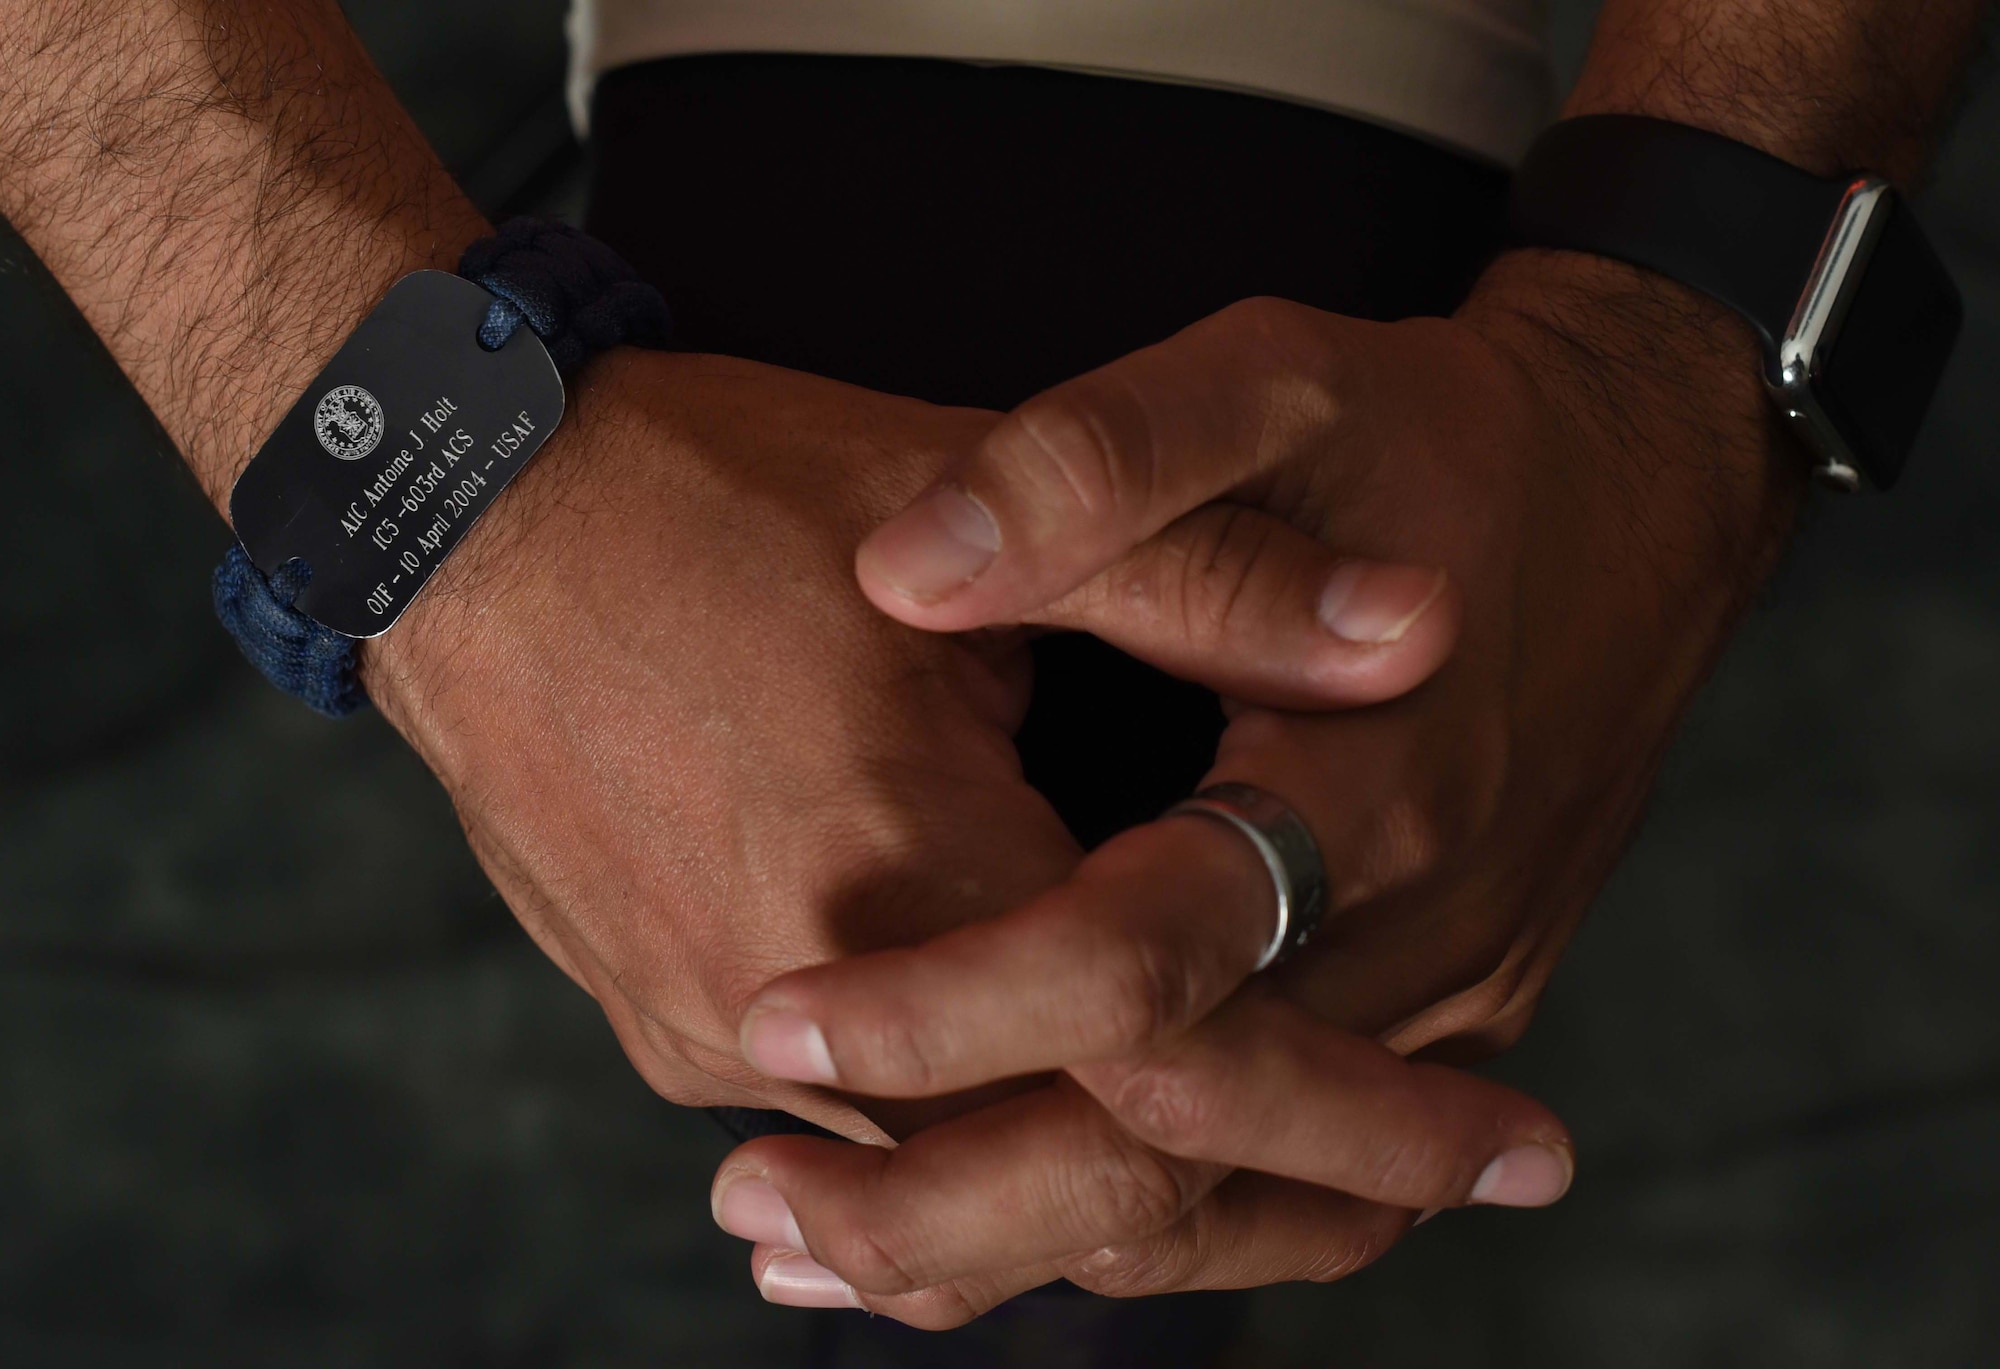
column 282, row 1084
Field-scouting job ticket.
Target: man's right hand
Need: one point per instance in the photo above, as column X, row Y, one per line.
column 689, row 755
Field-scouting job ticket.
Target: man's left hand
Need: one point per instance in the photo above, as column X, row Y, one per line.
column 1587, row 451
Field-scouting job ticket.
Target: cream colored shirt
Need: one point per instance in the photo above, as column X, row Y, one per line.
column 1471, row 74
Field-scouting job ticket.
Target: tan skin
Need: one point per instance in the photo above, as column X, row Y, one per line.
column 678, row 813
column 1587, row 449
column 1466, row 827
column 225, row 189
column 689, row 752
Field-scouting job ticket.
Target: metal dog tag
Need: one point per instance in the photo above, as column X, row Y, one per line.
column 394, row 451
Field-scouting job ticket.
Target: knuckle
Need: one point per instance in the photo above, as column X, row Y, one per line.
column 1504, row 1031
column 1127, row 1191
column 943, row 1308
column 1419, row 834
column 1489, row 1005
column 1136, row 1269
column 1345, row 1257
column 869, row 1259
column 1065, row 452
column 1405, row 843
column 1217, row 571
column 1273, row 318
column 1472, row 797
column 672, row 1066
column 1149, row 993
column 1197, row 577
column 1298, row 354
column 1416, row 1171
column 1496, row 991
column 671, row 1080
column 1164, row 1107
column 1495, row 976
column 1494, row 1013
column 892, row 1047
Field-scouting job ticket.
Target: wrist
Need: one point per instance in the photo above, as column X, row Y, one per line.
column 1661, row 390
column 1861, row 86
column 478, row 359
column 484, row 618
column 1656, row 490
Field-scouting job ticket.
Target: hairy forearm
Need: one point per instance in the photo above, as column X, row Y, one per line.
column 1831, row 85
column 1668, row 378
column 223, row 188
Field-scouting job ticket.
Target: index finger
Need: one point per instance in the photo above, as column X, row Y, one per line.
column 1156, row 928
column 1058, row 1171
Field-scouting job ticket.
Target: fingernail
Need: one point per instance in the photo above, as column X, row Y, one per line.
column 939, row 544
column 1375, row 604
column 752, row 1210
column 1422, row 1217
column 786, row 1045
column 1527, row 1176
column 800, row 1281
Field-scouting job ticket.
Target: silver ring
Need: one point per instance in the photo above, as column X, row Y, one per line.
column 1288, row 850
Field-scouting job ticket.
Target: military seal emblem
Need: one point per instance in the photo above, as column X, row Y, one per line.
column 348, row 422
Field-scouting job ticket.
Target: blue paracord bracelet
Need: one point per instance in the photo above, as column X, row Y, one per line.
column 580, row 298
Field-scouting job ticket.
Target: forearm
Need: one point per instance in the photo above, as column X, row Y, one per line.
column 1831, row 85
column 224, row 189
column 1667, row 378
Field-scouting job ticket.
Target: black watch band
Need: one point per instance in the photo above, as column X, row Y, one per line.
column 1856, row 314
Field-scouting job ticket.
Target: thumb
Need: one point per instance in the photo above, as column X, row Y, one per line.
column 1077, row 477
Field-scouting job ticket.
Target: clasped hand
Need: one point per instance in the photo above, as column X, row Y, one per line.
column 777, row 829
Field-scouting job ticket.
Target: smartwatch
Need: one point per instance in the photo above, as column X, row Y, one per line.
column 1856, row 314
